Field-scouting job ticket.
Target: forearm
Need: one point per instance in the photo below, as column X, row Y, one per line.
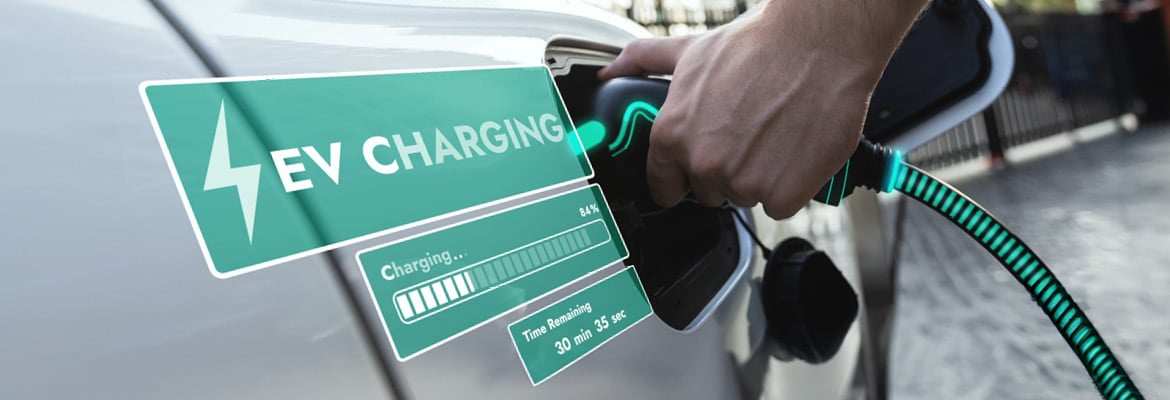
column 767, row 109
column 864, row 33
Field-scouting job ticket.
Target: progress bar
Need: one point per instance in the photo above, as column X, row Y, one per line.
column 433, row 296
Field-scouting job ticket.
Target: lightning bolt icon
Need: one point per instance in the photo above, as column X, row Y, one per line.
column 221, row 174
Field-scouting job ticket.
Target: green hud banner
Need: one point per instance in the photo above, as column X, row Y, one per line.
column 555, row 337
column 433, row 287
column 275, row 168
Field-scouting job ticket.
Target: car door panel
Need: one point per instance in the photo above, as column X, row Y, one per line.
column 106, row 294
column 651, row 360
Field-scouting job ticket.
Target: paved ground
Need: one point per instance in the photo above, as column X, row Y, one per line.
column 1099, row 215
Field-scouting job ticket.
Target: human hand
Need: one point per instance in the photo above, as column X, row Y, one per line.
column 763, row 110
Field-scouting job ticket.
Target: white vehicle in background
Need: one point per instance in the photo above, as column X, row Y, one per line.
column 107, row 296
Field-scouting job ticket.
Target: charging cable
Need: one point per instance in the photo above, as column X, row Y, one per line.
column 878, row 168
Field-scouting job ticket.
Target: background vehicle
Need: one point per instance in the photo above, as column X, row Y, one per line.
column 107, row 295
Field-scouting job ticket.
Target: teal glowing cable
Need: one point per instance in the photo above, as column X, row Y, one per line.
column 883, row 170
column 1107, row 373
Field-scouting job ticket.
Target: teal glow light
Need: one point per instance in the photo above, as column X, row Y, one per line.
column 592, row 133
column 894, row 175
column 626, row 133
column 829, row 190
column 844, row 182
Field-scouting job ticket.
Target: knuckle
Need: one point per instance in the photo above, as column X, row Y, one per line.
column 665, row 137
column 742, row 200
column 708, row 196
column 705, row 167
column 746, row 186
column 781, row 208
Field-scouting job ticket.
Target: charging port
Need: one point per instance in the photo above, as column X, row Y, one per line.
column 687, row 256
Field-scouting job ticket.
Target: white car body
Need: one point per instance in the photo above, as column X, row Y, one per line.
column 106, row 295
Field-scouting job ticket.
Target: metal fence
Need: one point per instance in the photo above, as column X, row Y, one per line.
column 1070, row 72
column 677, row 17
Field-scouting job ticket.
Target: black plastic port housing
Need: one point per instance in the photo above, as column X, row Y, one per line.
column 943, row 59
column 684, row 255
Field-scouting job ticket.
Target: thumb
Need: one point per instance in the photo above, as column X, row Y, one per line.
column 646, row 56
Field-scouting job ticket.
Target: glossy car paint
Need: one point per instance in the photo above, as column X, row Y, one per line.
column 258, row 38
column 107, row 296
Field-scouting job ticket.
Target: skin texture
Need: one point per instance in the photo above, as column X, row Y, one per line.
column 765, row 110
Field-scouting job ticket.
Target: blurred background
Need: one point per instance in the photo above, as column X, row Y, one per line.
column 1078, row 62
column 1073, row 156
